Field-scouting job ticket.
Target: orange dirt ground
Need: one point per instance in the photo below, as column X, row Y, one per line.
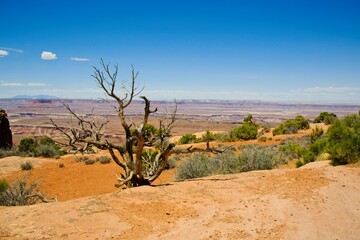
column 76, row 180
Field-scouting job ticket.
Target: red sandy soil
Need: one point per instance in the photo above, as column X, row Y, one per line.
column 76, row 180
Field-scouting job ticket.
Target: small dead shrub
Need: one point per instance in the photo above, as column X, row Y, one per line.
column 103, row 159
column 25, row 166
column 89, row 161
column 82, row 159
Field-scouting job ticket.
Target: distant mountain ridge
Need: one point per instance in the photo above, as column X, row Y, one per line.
column 35, row 97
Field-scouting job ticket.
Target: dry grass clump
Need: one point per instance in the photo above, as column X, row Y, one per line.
column 103, row 159
column 251, row 157
column 19, row 193
column 25, row 166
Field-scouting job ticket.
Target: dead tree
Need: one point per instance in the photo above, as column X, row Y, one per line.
column 138, row 168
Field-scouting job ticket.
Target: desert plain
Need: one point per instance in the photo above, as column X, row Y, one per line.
column 316, row 201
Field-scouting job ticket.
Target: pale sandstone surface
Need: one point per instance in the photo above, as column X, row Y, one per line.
column 317, row 201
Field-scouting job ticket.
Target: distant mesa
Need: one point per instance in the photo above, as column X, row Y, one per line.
column 40, row 97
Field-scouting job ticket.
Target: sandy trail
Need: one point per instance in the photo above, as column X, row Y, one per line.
column 317, row 201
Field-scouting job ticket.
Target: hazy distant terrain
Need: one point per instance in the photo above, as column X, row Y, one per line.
column 31, row 116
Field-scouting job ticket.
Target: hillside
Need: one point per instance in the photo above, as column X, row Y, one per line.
column 317, row 201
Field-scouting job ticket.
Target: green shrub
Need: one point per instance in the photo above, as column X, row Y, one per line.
column 295, row 148
column 149, row 155
column 316, row 134
column 343, row 140
column 256, row 157
column 44, row 147
column 222, row 137
column 3, row 185
column 150, row 131
column 47, row 151
column 172, row 162
column 292, row 126
column 196, row 166
column 25, row 166
column 27, row 145
column 299, row 163
column 187, row 138
column 325, row 117
column 248, row 119
column 45, row 140
column 103, row 159
column 319, row 146
column 291, row 150
column 208, row 136
column 262, row 139
column 352, row 121
column 246, row 131
column 19, row 193
column 7, row 152
column 308, row 156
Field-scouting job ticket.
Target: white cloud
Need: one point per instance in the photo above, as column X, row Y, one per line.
column 11, row 84
column 48, row 56
column 79, row 59
column 35, row 84
column 3, row 53
column 17, row 84
column 12, row 49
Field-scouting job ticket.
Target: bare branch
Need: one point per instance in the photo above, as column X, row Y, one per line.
column 125, row 181
column 208, row 149
column 42, row 198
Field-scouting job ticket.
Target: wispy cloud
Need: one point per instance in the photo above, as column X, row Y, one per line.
column 327, row 90
column 201, row 94
column 3, row 53
column 36, row 84
column 327, row 94
column 12, row 49
column 17, row 84
column 77, row 59
column 48, row 56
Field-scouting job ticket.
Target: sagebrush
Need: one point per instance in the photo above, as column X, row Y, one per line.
column 251, row 157
column 19, row 193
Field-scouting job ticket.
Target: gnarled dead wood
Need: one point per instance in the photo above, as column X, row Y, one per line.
column 42, row 198
column 129, row 155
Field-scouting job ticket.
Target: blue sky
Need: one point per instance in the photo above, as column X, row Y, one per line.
column 303, row 51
